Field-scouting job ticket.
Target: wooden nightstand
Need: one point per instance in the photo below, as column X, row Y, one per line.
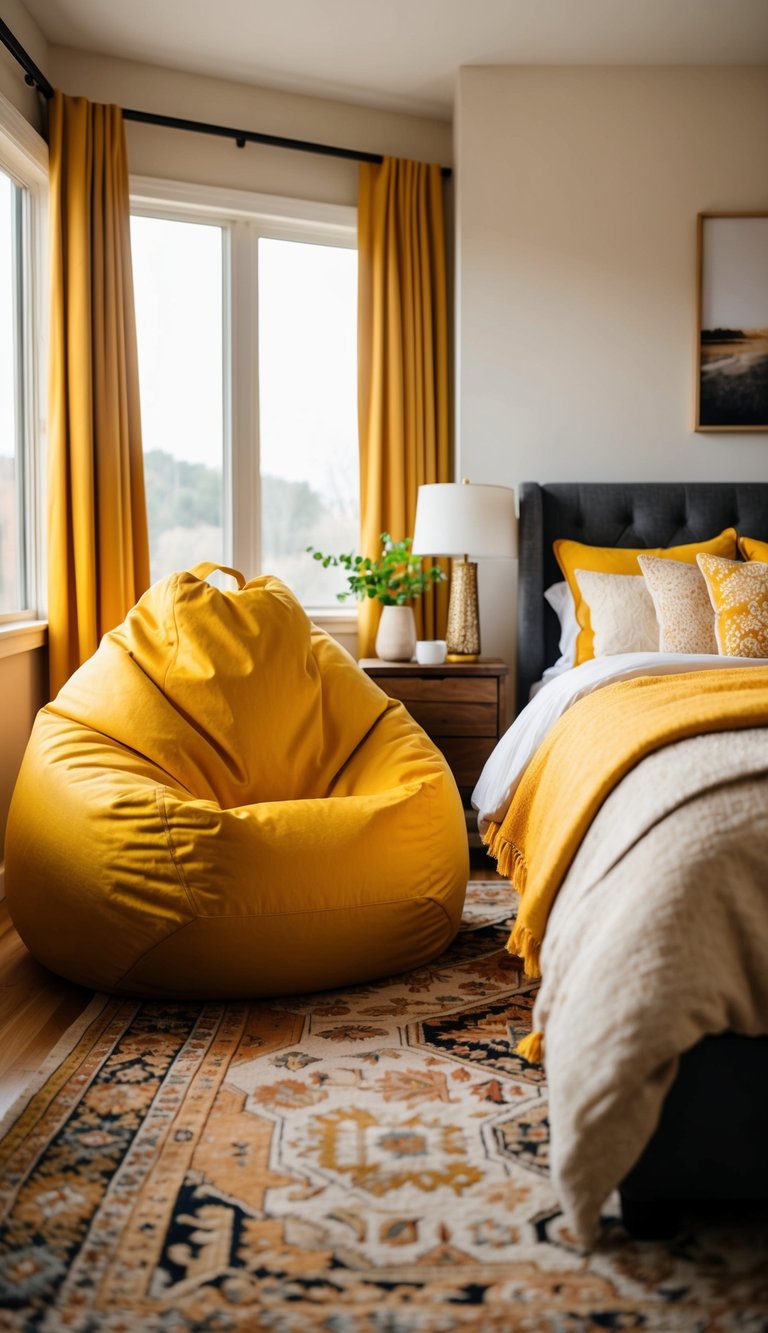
column 462, row 706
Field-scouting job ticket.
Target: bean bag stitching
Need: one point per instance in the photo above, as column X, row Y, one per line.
column 191, row 721
column 125, row 976
column 173, row 593
column 365, row 906
column 160, row 794
column 431, row 805
column 150, row 950
column 160, row 799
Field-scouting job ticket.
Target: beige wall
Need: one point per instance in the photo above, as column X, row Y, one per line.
column 12, row 84
column 577, row 192
column 153, row 151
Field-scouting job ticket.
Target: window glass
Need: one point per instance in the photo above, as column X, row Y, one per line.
column 178, row 281
column 12, row 592
column 293, row 364
column 307, row 321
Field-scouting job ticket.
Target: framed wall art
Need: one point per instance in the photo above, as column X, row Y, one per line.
column 732, row 350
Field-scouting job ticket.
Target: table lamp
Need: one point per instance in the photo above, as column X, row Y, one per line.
column 462, row 519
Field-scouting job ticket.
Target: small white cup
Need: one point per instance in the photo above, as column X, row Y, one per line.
column 430, row 652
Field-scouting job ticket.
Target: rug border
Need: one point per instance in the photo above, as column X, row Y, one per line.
column 66, row 1043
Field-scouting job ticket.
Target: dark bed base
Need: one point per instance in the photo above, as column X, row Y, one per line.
column 711, row 1142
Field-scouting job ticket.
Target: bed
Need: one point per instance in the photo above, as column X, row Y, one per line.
column 704, row 1136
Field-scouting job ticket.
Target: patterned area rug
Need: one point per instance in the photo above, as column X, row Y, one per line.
column 370, row 1159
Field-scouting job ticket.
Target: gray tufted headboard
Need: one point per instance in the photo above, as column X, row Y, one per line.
column 613, row 514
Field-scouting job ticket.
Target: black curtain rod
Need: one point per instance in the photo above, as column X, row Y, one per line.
column 33, row 76
column 36, row 79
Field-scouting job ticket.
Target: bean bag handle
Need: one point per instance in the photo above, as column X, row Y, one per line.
column 207, row 567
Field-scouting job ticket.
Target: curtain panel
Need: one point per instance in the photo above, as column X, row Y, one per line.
column 403, row 390
column 98, row 550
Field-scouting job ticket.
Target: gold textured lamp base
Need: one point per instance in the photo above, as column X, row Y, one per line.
column 462, row 637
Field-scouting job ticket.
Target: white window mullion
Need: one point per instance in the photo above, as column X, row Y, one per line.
column 244, row 380
column 20, row 307
column 227, row 343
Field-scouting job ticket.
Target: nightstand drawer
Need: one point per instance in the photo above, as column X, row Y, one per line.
column 440, row 689
column 466, row 757
column 455, row 719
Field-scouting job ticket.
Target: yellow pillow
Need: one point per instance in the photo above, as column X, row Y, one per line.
column 739, row 595
column 572, row 556
column 752, row 549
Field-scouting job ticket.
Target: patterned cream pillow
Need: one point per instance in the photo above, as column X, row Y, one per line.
column 621, row 612
column 739, row 593
column 683, row 609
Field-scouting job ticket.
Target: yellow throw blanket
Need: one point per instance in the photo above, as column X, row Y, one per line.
column 585, row 755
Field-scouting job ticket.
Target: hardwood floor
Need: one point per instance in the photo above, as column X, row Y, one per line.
column 37, row 1007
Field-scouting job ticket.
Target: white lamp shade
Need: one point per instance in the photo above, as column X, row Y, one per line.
column 460, row 518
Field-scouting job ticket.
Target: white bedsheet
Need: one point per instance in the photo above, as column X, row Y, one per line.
column 505, row 767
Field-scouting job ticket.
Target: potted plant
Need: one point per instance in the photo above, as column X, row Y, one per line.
column 395, row 579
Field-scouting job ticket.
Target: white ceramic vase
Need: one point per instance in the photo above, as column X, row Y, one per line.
column 396, row 635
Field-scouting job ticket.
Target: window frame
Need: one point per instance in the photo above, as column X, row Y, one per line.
column 246, row 217
column 24, row 158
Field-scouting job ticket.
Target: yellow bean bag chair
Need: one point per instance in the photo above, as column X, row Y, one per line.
column 220, row 803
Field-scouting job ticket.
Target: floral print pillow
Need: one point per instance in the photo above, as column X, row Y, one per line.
column 739, row 595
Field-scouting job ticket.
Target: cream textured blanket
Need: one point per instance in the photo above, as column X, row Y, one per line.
column 658, row 937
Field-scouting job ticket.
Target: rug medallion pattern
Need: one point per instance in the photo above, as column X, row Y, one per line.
column 364, row 1161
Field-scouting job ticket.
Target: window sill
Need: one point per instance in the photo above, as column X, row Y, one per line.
column 334, row 622
column 22, row 636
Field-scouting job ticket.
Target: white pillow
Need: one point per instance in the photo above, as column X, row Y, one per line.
column 560, row 598
column 621, row 611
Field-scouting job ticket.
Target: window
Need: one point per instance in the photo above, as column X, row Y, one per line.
column 22, row 186
column 247, row 333
column 178, row 282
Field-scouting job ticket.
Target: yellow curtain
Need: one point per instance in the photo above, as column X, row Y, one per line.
column 98, row 550
column 403, row 398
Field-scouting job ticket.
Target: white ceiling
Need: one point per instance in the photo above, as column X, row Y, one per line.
column 404, row 54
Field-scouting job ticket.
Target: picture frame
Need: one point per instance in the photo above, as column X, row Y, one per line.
column 732, row 322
